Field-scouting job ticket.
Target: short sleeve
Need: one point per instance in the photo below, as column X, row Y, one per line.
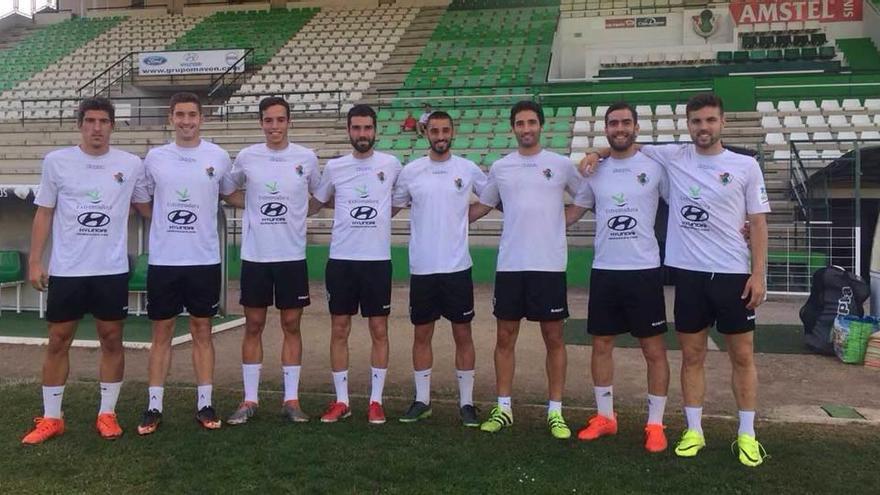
column 585, row 198
column 47, row 195
column 237, row 177
column 226, row 185
column 572, row 179
column 401, row 197
column 140, row 194
column 490, row 196
column 664, row 185
column 479, row 179
column 325, row 188
column 756, row 192
column 314, row 178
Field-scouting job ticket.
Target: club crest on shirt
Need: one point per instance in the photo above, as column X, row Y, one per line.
column 459, row 183
column 94, row 196
column 694, row 192
column 362, row 191
column 725, row 178
column 548, row 174
column 642, row 178
column 210, row 172
column 183, row 195
column 299, row 170
column 381, row 176
column 118, row 177
column 272, row 188
column 619, row 199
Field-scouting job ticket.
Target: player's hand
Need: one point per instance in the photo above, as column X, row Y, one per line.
column 588, row 164
column 38, row 277
column 755, row 291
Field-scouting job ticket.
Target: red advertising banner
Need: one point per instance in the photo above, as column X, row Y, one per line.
column 753, row 12
column 627, row 22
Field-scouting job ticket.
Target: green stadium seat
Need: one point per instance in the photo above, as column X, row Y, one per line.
column 465, row 128
column 402, row 144
column 471, row 113
column 489, row 113
column 818, row 39
column 384, row 144
column 559, row 142
column 484, row 128
column 758, row 56
column 137, row 281
column 809, row 53
column 474, row 157
column 400, row 115
column 462, row 142
column 12, row 275
column 725, row 57
column 392, row 129
column 827, row 52
column 499, row 142
column 383, row 115
column 480, row 143
column 566, row 112
column 740, row 57
column 560, row 126
column 774, row 55
column 791, row 54
column 501, row 127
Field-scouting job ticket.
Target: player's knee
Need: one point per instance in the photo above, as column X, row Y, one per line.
column 254, row 328
column 58, row 343
column 693, row 357
column 742, row 360
column 111, row 344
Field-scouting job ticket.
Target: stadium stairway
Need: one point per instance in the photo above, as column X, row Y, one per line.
column 405, row 54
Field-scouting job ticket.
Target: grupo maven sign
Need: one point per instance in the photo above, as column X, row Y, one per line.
column 796, row 10
column 194, row 62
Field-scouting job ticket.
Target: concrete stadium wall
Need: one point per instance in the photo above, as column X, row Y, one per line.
column 872, row 22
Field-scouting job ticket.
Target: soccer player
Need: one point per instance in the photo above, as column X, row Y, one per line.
column 530, row 280
column 626, row 282
column 184, row 179
column 438, row 189
column 280, row 177
column 84, row 198
column 358, row 271
column 720, row 278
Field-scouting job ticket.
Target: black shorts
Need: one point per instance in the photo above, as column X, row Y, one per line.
column 170, row 289
column 352, row 284
column 536, row 296
column 284, row 282
column 624, row 301
column 703, row 299
column 104, row 296
column 450, row 295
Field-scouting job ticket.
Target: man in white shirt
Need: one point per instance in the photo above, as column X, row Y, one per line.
column 359, row 267
column 438, row 189
column 626, row 281
column 280, row 177
column 185, row 180
column 84, row 198
column 530, row 281
column 720, row 278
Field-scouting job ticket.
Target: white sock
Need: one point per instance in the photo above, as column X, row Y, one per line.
column 747, row 423
column 554, row 406
column 203, row 392
column 109, row 396
column 423, row 385
column 378, row 384
column 52, row 397
column 465, row 387
column 157, row 394
column 694, row 417
column 605, row 400
column 505, row 403
column 291, row 382
column 656, row 408
column 340, row 381
column 250, row 374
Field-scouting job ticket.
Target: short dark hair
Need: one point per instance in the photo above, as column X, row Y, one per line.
column 524, row 105
column 361, row 110
column 440, row 115
column 95, row 103
column 272, row 101
column 702, row 100
column 621, row 105
column 184, row 97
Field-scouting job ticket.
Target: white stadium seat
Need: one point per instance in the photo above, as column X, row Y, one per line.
column 663, row 110
column 852, row 104
column 786, row 106
column 807, row 106
column 583, row 112
column 774, row 138
column 792, row 121
column 861, row 121
column 816, row 121
column 847, row 136
column 830, row 105
column 765, row 106
column 769, row 122
column 837, row 121
column 872, row 103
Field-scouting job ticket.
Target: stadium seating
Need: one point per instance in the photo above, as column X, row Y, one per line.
column 265, row 31
column 487, row 47
column 317, row 62
column 11, row 275
column 63, row 78
column 45, row 46
column 831, row 125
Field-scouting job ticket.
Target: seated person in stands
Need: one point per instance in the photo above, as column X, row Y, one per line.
column 423, row 120
column 409, row 123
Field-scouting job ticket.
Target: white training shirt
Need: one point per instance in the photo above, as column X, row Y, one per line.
column 362, row 214
column 279, row 183
column 624, row 194
column 532, row 192
column 710, row 198
column 185, row 184
column 440, row 195
column 92, row 196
